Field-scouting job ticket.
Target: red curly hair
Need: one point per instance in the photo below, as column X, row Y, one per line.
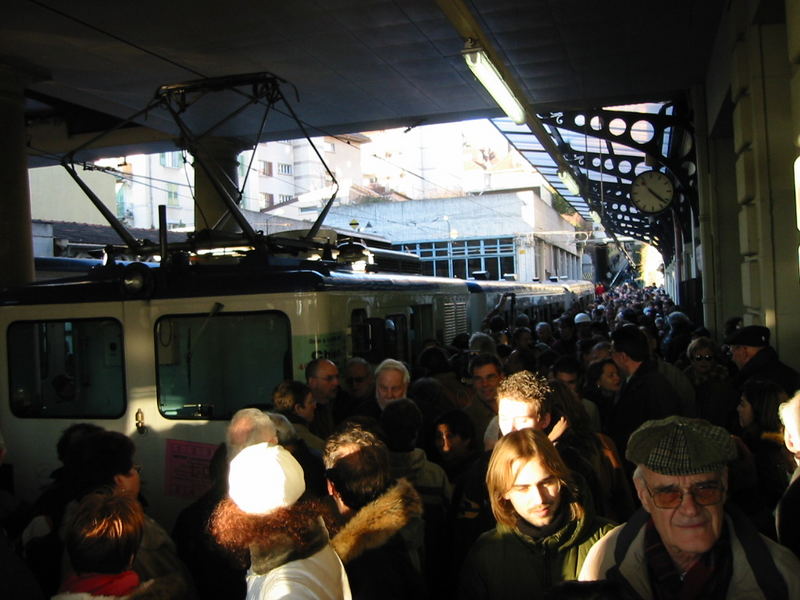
column 294, row 526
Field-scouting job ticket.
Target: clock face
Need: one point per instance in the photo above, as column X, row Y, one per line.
column 652, row 191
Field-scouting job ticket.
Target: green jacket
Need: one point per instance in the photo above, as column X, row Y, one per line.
column 505, row 563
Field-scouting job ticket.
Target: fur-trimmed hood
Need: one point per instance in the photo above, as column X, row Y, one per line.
column 373, row 525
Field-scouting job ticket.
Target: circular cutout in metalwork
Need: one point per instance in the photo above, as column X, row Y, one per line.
column 617, row 126
column 642, row 132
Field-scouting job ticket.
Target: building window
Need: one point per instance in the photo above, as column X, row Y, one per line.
column 283, row 198
column 284, row 169
column 265, row 168
column 172, row 195
column 447, row 258
column 267, row 200
column 171, row 160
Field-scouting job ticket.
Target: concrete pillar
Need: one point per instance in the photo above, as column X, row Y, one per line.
column 765, row 152
column 16, row 236
column 221, row 157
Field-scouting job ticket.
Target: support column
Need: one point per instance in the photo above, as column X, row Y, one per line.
column 221, row 157
column 765, row 150
column 16, row 237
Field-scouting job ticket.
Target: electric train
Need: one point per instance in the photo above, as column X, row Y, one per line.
column 168, row 354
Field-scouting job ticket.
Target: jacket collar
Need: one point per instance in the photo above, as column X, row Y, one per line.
column 376, row 523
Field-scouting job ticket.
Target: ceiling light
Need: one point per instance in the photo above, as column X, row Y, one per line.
column 483, row 69
column 568, row 180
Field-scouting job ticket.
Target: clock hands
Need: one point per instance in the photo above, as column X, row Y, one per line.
column 655, row 195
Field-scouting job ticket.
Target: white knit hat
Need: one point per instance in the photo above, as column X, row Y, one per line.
column 263, row 478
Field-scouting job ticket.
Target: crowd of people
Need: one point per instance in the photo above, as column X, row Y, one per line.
column 616, row 452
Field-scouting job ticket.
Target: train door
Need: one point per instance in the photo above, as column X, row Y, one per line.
column 377, row 338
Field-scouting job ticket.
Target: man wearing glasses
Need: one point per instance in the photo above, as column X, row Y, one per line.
column 684, row 543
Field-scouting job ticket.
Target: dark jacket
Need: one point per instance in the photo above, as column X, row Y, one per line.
column 716, row 397
column 766, row 365
column 374, row 549
column 506, row 563
column 646, row 395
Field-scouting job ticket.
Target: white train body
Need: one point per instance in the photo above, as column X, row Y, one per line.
column 182, row 353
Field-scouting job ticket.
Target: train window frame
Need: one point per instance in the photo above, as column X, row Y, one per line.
column 400, row 335
column 112, row 356
column 206, row 411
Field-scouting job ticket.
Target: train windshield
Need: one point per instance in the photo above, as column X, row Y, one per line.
column 66, row 369
column 210, row 366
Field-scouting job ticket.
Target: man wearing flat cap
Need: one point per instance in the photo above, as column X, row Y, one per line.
column 683, row 542
column 756, row 359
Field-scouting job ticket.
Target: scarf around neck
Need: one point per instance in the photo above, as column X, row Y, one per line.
column 102, row 584
column 707, row 579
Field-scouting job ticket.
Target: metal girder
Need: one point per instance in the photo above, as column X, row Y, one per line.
column 627, row 142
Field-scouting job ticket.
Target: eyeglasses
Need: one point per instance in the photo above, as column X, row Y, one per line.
column 699, row 357
column 704, row 494
column 137, row 468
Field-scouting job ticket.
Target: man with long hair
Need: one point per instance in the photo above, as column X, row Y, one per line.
column 544, row 527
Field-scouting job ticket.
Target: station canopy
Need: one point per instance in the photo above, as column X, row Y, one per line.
column 606, row 149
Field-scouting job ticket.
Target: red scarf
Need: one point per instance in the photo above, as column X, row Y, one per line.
column 102, row 584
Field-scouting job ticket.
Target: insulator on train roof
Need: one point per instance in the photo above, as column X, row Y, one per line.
column 137, row 280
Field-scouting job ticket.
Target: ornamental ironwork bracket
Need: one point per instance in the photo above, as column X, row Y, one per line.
column 656, row 139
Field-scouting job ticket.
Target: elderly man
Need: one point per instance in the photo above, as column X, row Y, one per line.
column 544, row 528
column 756, row 359
column 683, row 543
column 391, row 383
column 249, row 426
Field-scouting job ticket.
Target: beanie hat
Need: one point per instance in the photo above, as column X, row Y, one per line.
column 263, row 478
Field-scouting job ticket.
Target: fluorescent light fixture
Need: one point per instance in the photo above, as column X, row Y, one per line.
column 487, row 74
column 568, row 180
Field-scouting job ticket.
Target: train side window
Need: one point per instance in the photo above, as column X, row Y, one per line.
column 66, row 369
column 209, row 366
column 396, row 337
